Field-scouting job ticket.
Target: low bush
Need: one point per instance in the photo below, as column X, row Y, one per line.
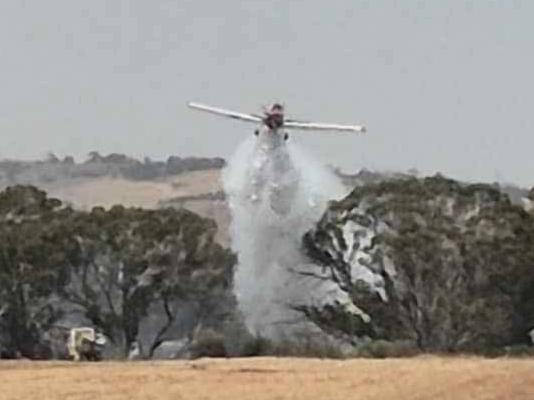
column 299, row 346
column 386, row 349
column 208, row 343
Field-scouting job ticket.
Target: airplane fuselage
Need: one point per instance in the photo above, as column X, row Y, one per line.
column 271, row 137
column 272, row 173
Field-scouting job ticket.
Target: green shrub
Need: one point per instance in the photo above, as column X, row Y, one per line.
column 208, row 343
column 520, row 350
column 386, row 349
column 298, row 346
column 257, row 346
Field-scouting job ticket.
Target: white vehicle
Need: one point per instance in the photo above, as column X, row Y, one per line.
column 84, row 343
column 272, row 173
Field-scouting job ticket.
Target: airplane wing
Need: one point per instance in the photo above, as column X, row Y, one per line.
column 318, row 126
column 226, row 113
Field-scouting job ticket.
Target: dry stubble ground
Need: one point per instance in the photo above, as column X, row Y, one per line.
column 271, row 378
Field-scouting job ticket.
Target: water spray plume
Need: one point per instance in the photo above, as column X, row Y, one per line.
column 276, row 192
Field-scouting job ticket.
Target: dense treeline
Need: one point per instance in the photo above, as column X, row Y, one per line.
column 427, row 264
column 431, row 262
column 117, row 165
column 119, row 270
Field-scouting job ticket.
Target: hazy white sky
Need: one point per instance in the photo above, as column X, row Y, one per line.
column 442, row 86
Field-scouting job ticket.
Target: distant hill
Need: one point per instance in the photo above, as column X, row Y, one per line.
column 54, row 169
column 104, row 180
column 190, row 182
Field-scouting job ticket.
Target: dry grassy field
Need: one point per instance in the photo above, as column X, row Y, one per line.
column 107, row 191
column 271, row 378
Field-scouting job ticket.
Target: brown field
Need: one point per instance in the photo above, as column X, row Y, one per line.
column 271, row 378
column 107, row 191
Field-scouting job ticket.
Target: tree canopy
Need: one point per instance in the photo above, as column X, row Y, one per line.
column 108, row 267
column 447, row 266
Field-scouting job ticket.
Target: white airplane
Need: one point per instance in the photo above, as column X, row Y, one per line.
column 272, row 173
column 273, row 119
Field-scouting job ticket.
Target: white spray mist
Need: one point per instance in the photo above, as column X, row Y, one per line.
column 276, row 193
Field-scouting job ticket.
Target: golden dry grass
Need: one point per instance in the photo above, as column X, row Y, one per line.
column 107, row 191
column 271, row 378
